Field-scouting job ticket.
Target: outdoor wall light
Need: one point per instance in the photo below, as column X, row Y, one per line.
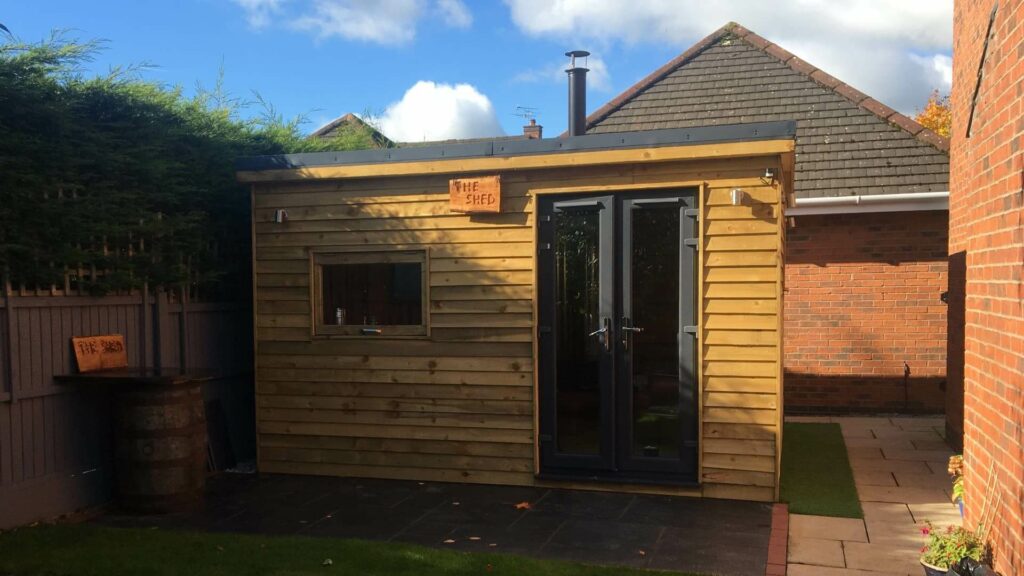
column 738, row 197
column 280, row 216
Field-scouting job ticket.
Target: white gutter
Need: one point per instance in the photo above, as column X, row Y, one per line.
column 870, row 203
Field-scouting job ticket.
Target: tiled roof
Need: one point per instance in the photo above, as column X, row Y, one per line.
column 847, row 142
column 350, row 120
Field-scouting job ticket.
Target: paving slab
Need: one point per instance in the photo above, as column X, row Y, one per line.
column 864, row 452
column 922, row 455
column 886, row 512
column 901, row 434
column 939, row 514
column 930, row 480
column 827, row 527
column 923, row 444
column 817, row 551
column 864, row 421
column 919, row 422
column 889, row 555
column 906, row 466
column 873, row 442
column 873, row 478
column 803, row 570
column 901, row 495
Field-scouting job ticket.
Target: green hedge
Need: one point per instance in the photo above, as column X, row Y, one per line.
column 118, row 174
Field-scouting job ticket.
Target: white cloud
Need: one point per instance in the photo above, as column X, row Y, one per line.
column 258, row 12
column 432, row 111
column 455, row 13
column 391, row 22
column 875, row 46
column 597, row 79
column 380, row 21
column 942, row 66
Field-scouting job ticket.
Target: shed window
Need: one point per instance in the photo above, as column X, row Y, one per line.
column 371, row 293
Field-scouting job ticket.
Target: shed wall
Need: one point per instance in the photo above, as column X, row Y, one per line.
column 459, row 405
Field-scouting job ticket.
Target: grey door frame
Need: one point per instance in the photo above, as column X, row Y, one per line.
column 614, row 462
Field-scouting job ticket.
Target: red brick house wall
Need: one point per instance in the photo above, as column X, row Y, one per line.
column 987, row 229
column 865, row 324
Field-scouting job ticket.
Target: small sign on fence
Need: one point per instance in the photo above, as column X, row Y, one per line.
column 94, row 353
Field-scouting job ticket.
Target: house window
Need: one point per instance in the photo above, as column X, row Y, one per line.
column 370, row 293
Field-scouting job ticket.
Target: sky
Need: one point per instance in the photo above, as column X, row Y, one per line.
column 440, row 69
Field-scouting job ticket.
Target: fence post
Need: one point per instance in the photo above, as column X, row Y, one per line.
column 159, row 318
column 146, row 334
column 10, row 374
column 183, row 327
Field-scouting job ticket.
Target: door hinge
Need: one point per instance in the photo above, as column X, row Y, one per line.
column 545, row 218
column 545, row 438
column 692, row 243
column 544, row 329
column 692, row 213
column 691, row 330
column 544, row 246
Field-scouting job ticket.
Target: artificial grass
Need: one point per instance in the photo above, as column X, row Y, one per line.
column 816, row 474
column 89, row 550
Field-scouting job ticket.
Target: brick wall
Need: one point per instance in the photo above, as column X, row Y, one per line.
column 865, row 326
column 987, row 229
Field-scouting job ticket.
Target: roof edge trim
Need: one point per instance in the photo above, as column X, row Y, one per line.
column 502, row 148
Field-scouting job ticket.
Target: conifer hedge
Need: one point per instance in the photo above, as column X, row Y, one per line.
column 126, row 177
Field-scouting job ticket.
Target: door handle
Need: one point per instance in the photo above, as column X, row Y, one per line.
column 605, row 333
column 626, row 328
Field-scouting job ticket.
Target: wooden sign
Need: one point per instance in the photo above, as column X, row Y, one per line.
column 480, row 194
column 94, row 353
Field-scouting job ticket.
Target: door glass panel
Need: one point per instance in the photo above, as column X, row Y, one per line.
column 654, row 279
column 577, row 300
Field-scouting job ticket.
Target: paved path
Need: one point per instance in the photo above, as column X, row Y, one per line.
column 720, row 537
column 899, row 466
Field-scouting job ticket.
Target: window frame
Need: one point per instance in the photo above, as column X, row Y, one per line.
column 318, row 259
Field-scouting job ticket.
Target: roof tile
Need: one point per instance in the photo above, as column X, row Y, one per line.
column 850, row 93
column 878, row 108
column 779, row 52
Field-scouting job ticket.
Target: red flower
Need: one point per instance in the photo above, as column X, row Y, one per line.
column 926, row 530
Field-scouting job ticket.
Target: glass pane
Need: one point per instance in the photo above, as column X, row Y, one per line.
column 655, row 351
column 386, row 294
column 577, row 292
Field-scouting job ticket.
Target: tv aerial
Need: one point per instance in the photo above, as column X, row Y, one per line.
column 527, row 113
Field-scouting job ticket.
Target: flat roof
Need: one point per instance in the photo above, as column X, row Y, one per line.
column 503, row 147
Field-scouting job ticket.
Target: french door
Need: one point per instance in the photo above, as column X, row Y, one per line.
column 617, row 276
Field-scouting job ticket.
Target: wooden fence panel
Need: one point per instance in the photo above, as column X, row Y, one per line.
column 55, row 440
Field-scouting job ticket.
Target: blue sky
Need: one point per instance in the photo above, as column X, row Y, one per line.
column 431, row 69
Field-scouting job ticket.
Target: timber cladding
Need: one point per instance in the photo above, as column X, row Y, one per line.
column 459, row 403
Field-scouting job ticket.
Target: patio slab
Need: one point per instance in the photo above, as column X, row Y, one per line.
column 645, row 531
column 826, row 527
column 899, row 467
column 816, row 551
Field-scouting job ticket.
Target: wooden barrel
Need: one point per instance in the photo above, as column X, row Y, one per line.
column 161, row 447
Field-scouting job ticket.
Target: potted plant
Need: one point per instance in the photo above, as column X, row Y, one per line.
column 946, row 547
column 956, row 470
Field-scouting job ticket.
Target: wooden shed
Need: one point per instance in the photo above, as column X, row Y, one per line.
column 598, row 311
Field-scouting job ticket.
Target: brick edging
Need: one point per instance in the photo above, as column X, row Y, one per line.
column 778, row 541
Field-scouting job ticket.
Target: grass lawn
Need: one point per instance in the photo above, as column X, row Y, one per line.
column 816, row 474
column 102, row 551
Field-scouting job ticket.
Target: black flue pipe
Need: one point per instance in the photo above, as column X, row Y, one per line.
column 577, row 94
